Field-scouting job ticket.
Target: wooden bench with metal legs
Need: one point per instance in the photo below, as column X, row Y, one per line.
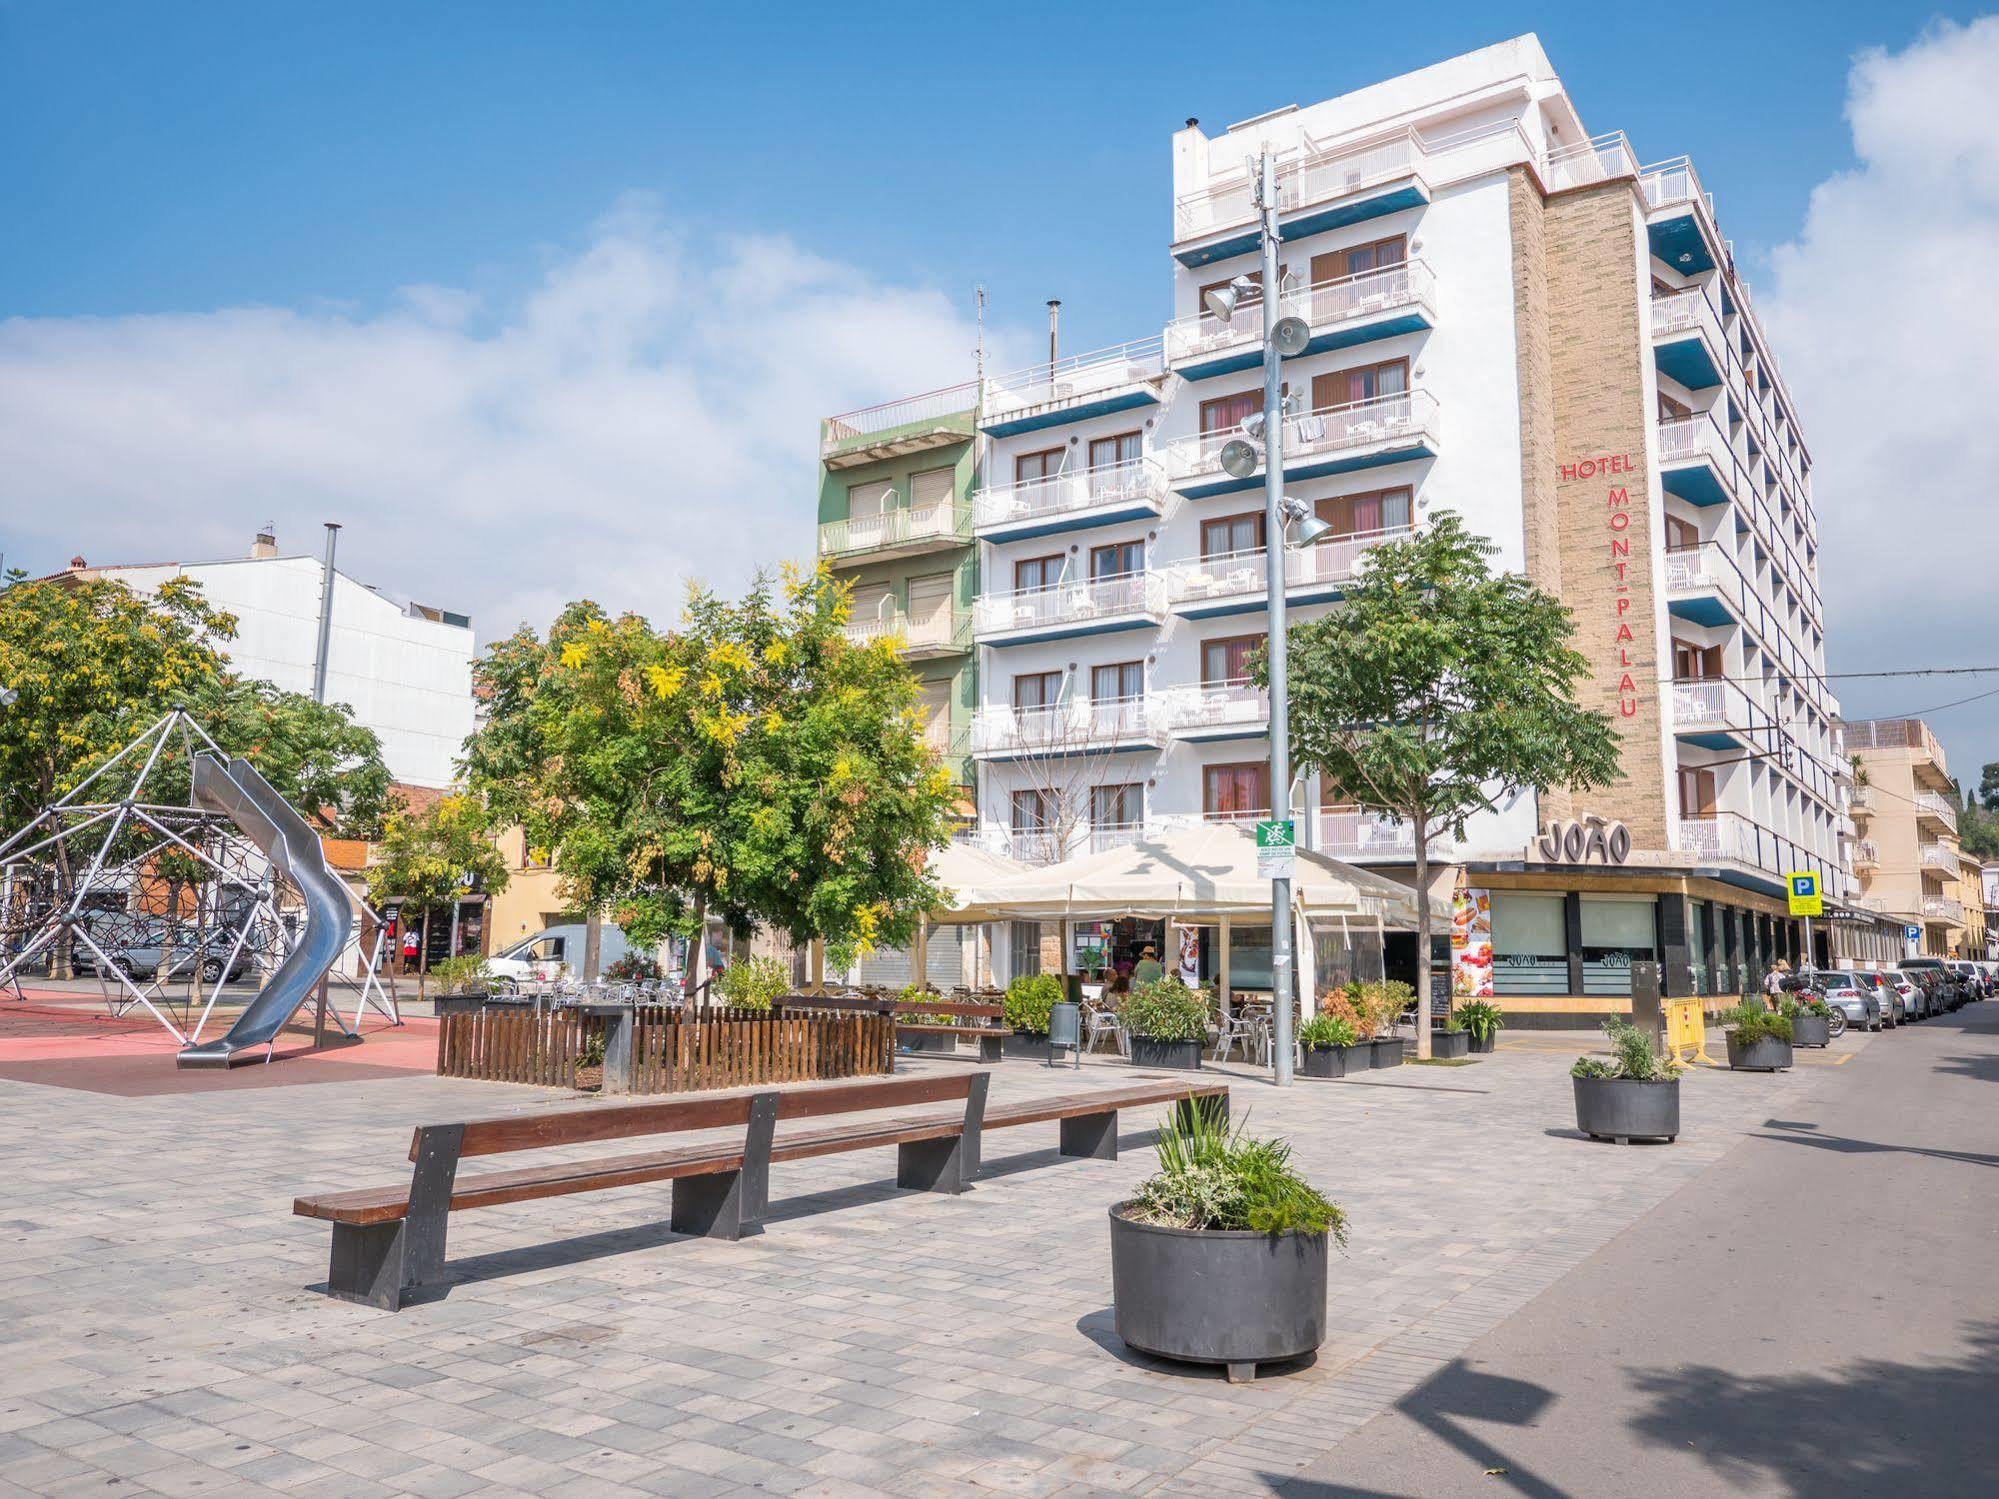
column 389, row 1241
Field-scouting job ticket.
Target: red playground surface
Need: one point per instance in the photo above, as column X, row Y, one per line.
column 64, row 1041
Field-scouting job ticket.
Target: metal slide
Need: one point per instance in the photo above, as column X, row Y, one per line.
column 240, row 792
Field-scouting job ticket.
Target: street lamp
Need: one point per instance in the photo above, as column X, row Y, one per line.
column 1287, row 523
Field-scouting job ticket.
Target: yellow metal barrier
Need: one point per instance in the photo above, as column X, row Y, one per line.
column 1686, row 1032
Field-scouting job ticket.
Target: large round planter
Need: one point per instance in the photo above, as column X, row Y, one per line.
column 1811, row 1030
column 1449, row 1044
column 1148, row 1051
column 1485, row 1047
column 1217, row 1297
column 1026, row 1045
column 922, row 1043
column 1765, row 1055
column 1387, row 1051
column 1615, row 1108
column 1327, row 1061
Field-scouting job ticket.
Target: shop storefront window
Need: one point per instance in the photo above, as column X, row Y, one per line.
column 1617, row 931
column 1529, row 943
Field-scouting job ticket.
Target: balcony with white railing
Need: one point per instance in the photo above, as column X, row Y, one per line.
column 898, row 531
column 1084, row 606
column 1069, row 390
column 1340, row 313
column 1700, row 579
column 1332, row 440
column 1235, row 582
column 1695, row 460
column 1938, row 859
column 1105, row 836
column 1349, row 833
column 915, row 424
column 1202, row 711
column 1931, row 807
column 1714, row 714
column 1074, row 727
column 1679, row 216
column 946, row 632
column 1942, row 908
column 1865, row 853
column 1741, row 840
column 1069, row 501
column 1687, row 341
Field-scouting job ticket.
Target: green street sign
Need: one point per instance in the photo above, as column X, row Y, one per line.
column 1276, row 850
column 1276, row 835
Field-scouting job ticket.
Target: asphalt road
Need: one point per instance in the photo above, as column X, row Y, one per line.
column 1817, row 1314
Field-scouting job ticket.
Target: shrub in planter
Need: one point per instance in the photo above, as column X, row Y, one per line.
column 753, row 983
column 1167, row 1023
column 1452, row 1041
column 1029, row 999
column 1332, row 1046
column 1482, row 1021
column 1759, row 1039
column 1232, row 1216
column 465, row 975
column 1634, row 1096
column 1811, row 1019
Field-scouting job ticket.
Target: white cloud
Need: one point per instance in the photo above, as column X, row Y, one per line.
column 1885, row 318
column 648, row 411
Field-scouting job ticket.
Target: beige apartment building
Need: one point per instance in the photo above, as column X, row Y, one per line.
column 1905, row 851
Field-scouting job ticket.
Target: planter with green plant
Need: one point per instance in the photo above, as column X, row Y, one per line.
column 1451, row 1042
column 1333, row 1047
column 1483, row 1022
column 1634, row 1096
column 1384, row 1002
column 1030, row 999
column 463, row 984
column 1811, row 1019
column 1221, row 1257
column 753, row 983
column 1759, row 1039
column 910, row 1001
column 1166, row 1021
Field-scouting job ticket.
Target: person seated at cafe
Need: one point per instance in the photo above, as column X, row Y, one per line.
column 1148, row 970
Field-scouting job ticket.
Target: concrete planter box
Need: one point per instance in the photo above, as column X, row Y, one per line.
column 1811, row 1030
column 1387, row 1051
column 1027, row 1046
column 1149, row 1051
column 1336, row 1061
column 1766, row 1055
column 1218, row 1297
column 1483, row 1048
column 922, row 1044
column 1615, row 1108
column 466, row 1004
column 1449, row 1044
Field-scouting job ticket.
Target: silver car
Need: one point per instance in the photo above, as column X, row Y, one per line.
column 1892, row 994
column 1857, row 1002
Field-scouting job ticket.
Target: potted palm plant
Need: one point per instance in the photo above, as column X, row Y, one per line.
column 1166, row 1021
column 1220, row 1258
column 1634, row 1096
column 1759, row 1039
column 1482, row 1021
column 1030, row 1000
column 1333, row 1046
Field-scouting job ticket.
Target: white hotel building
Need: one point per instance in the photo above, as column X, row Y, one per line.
column 1512, row 319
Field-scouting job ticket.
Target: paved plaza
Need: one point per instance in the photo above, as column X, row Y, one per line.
column 163, row 1332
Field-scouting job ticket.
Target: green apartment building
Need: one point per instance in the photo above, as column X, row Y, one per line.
column 895, row 521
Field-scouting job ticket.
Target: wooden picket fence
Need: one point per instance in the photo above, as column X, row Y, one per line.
column 671, row 1052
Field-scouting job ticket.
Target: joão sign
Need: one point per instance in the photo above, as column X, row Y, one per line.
column 1584, row 841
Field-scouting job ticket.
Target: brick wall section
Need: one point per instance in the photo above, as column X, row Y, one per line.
column 1596, row 345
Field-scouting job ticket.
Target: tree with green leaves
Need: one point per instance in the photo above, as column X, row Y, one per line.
column 428, row 857
column 1436, row 690
column 1988, row 786
column 752, row 763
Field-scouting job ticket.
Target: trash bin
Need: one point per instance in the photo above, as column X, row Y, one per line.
column 1065, row 1028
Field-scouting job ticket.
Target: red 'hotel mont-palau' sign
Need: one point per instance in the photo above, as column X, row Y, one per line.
column 1617, row 514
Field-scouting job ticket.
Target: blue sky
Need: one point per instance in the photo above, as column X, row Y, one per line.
column 544, row 300
column 181, row 157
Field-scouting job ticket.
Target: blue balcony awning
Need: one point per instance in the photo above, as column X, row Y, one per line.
column 1056, row 414
column 1353, row 208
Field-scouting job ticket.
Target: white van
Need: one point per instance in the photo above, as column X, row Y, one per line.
column 552, row 953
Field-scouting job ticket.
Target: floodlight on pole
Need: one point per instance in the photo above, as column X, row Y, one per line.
column 1302, row 527
column 1222, row 301
column 1290, row 336
column 1240, row 459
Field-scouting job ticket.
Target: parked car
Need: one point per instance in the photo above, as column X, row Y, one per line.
column 552, row 953
column 1852, row 996
column 1896, row 995
column 1971, row 983
column 138, row 944
column 1938, row 983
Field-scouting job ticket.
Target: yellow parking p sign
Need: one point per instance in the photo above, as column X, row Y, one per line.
column 1805, row 897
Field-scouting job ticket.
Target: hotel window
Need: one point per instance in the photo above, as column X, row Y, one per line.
column 1696, row 663
column 1368, row 382
column 1617, row 931
column 1335, row 265
column 872, row 601
column 1226, row 413
column 1030, row 467
column 1225, row 662
column 1232, row 535
column 1236, row 791
column 1039, row 689
column 1697, row 789
column 1117, row 560
column 1530, row 942
column 931, row 488
column 1108, row 452
column 935, row 698
column 930, row 599
column 1117, row 806
column 1681, row 534
column 1030, row 573
column 1671, row 410
column 1119, row 682
column 1366, row 514
column 1030, row 812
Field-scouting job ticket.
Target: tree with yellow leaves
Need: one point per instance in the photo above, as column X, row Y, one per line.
column 751, row 762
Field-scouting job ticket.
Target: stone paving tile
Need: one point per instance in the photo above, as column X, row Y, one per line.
column 160, row 1326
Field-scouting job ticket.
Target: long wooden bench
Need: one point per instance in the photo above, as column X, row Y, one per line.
column 390, row 1240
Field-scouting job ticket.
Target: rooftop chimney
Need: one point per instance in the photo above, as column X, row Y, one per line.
column 78, row 562
column 266, row 544
column 1054, row 325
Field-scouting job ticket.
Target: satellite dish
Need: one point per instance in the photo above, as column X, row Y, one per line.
column 1240, row 460
column 1290, row 336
